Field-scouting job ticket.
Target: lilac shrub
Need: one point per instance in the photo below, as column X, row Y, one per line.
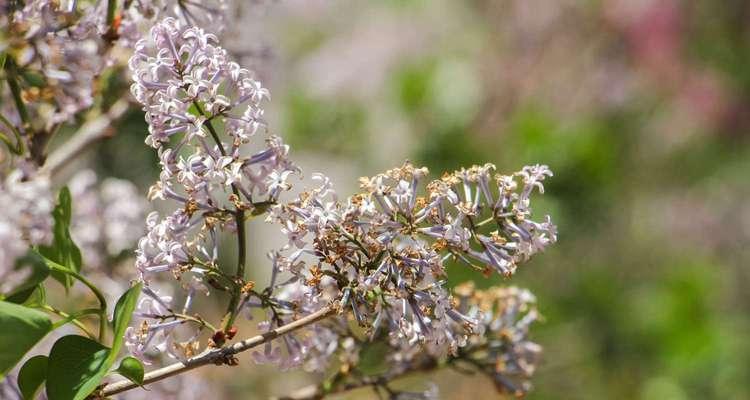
column 354, row 272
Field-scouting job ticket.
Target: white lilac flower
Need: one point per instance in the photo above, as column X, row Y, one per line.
column 184, row 80
column 68, row 44
column 158, row 322
column 203, row 112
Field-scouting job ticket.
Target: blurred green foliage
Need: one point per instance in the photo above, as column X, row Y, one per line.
column 634, row 307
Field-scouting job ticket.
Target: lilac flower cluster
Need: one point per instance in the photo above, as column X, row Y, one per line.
column 379, row 258
column 107, row 218
column 67, row 44
column 188, row 87
column 50, row 42
column 159, row 324
column 503, row 349
column 382, row 255
column 26, row 219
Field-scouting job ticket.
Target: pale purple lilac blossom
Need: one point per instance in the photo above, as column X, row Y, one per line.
column 185, row 82
column 107, row 217
column 383, row 252
column 26, row 219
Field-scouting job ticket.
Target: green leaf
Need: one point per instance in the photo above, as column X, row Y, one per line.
column 123, row 312
column 39, row 272
column 63, row 250
column 77, row 364
column 76, row 367
column 20, row 329
column 373, row 358
column 32, row 375
column 33, row 78
column 38, row 297
column 131, row 368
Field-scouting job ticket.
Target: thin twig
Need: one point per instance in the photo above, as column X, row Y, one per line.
column 217, row 356
column 89, row 133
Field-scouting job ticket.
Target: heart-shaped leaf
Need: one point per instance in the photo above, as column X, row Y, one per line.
column 20, row 329
column 76, row 366
column 131, row 368
column 32, row 375
column 39, row 272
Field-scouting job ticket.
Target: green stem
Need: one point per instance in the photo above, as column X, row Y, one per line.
column 111, row 8
column 199, row 321
column 18, row 149
column 72, row 318
column 102, row 301
column 239, row 216
column 15, row 90
column 353, row 240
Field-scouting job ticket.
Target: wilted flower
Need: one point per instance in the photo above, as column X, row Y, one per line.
column 503, row 350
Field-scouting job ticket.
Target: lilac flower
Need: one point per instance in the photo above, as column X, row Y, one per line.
column 503, row 350
column 382, row 253
column 107, row 220
column 64, row 50
column 188, row 87
column 26, row 201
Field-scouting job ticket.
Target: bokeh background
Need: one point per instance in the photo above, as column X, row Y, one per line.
column 640, row 107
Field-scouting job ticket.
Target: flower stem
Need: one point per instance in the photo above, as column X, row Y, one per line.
column 72, row 318
column 18, row 149
column 239, row 216
column 102, row 300
column 11, row 74
column 217, row 356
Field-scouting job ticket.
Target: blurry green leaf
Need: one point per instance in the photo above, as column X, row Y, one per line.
column 332, row 125
column 448, row 148
column 413, row 85
column 33, row 78
column 63, row 250
column 37, row 298
column 32, row 376
column 131, row 368
column 76, row 367
column 113, row 84
column 20, row 329
column 20, row 297
column 39, row 272
column 373, row 358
